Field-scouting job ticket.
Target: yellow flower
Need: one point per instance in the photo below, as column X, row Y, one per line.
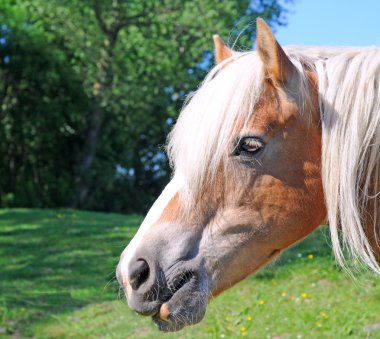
column 324, row 315
column 243, row 329
column 284, row 294
column 243, row 334
column 303, row 295
column 249, row 318
column 261, row 302
column 227, row 318
column 318, row 324
column 310, row 256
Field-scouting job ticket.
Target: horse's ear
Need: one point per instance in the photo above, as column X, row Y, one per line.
column 222, row 52
column 276, row 62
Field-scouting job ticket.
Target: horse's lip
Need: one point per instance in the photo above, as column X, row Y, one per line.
column 174, row 313
column 172, row 295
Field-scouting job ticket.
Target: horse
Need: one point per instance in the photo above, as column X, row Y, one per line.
column 274, row 142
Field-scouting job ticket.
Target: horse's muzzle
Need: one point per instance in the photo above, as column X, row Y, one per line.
column 175, row 297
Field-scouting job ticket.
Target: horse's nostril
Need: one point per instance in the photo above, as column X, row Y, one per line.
column 138, row 273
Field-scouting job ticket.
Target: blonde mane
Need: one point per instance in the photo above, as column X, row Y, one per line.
column 350, row 108
column 350, row 114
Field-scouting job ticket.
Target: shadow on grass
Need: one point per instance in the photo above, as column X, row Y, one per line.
column 57, row 260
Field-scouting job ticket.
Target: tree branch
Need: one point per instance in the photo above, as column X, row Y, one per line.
column 99, row 18
column 130, row 20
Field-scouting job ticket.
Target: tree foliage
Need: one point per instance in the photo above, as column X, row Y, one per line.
column 90, row 88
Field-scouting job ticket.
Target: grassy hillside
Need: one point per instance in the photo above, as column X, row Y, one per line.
column 57, row 281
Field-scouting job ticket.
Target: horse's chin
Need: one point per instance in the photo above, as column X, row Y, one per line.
column 187, row 306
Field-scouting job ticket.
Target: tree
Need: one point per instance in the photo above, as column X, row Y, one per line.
column 135, row 61
column 41, row 105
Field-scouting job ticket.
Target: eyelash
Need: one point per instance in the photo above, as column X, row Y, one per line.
column 249, row 146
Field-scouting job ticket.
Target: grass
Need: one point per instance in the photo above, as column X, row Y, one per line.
column 57, row 281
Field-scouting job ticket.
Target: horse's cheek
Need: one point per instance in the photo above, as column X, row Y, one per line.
column 290, row 213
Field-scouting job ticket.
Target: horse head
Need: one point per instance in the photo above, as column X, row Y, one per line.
column 247, row 184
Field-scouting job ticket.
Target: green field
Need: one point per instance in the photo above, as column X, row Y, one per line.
column 57, row 281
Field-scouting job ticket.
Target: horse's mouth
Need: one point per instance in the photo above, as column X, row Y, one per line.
column 186, row 305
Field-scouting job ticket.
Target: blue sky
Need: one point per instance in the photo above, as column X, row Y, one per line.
column 334, row 22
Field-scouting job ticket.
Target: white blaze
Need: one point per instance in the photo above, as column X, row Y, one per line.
column 153, row 215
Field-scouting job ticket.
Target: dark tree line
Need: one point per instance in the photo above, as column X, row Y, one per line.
column 89, row 90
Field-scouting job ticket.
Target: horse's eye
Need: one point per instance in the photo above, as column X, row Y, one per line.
column 249, row 146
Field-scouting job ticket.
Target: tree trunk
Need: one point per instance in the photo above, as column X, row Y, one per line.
column 93, row 123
